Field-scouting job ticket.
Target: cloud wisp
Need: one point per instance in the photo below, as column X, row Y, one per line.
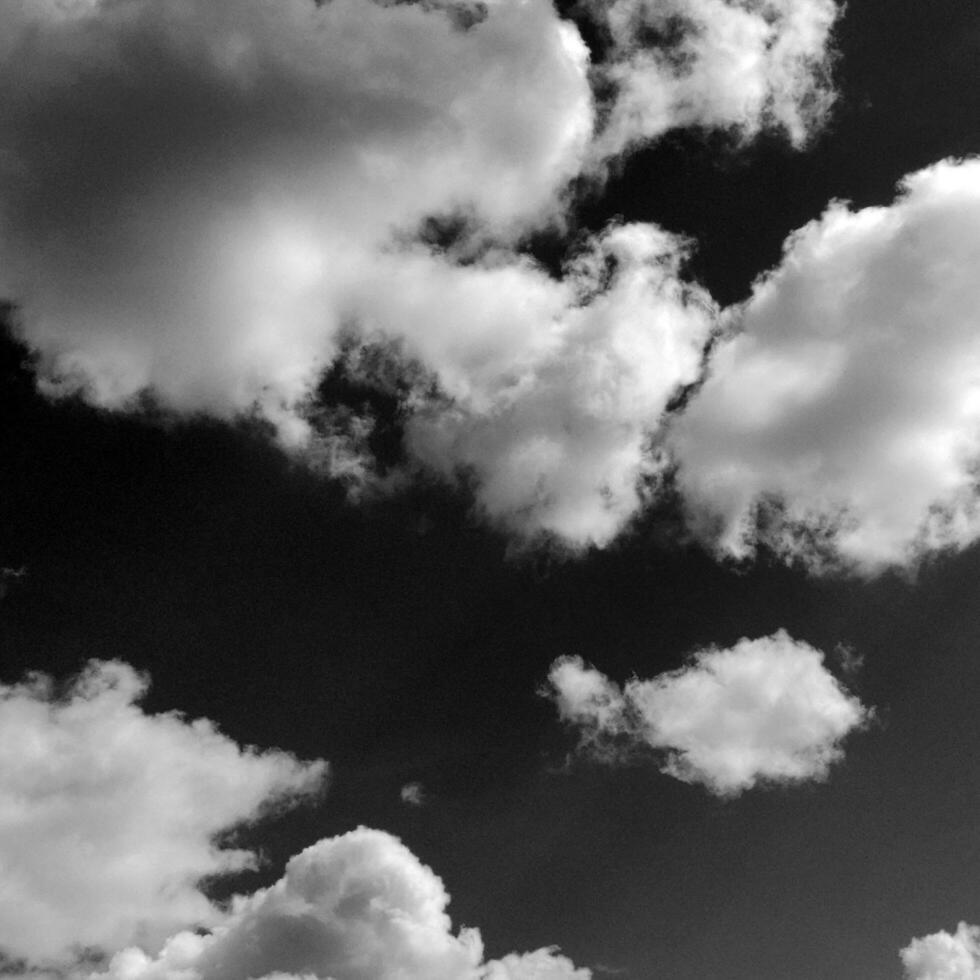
column 763, row 711
column 199, row 198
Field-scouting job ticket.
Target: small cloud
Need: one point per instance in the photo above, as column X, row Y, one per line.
column 10, row 577
column 737, row 66
column 851, row 662
column 762, row 711
column 413, row 794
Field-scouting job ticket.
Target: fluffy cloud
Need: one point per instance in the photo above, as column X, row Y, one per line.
column 942, row 956
column 733, row 64
column 841, row 424
column 763, row 710
column 110, row 819
column 356, row 907
column 191, row 188
column 198, row 198
column 109, row 816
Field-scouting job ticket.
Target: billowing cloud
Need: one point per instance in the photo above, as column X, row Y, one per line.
column 740, row 65
column 841, row 424
column 356, row 907
column 944, row 956
column 199, row 197
column 764, row 710
column 110, row 817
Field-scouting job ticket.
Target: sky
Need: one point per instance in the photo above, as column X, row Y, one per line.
column 488, row 490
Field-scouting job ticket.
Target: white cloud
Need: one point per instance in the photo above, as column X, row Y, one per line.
column 109, row 817
column 189, row 188
column 764, row 710
column 842, row 423
column 558, row 387
column 943, row 956
column 197, row 197
column 730, row 64
column 359, row 906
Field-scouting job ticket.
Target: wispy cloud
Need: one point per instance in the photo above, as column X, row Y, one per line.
column 736, row 66
column 359, row 906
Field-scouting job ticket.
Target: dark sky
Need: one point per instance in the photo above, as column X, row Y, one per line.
column 403, row 640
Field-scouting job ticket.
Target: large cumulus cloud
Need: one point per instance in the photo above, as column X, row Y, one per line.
column 198, row 198
column 841, row 424
column 109, row 817
column 359, row 906
column 762, row 711
column 190, row 188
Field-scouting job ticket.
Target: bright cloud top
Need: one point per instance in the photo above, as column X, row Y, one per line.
column 109, row 816
column 944, row 956
column 356, row 907
column 764, row 710
column 842, row 423
column 199, row 196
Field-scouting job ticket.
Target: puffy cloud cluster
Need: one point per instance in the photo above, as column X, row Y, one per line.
column 110, row 817
column 944, row 956
column 764, row 710
column 356, row 907
column 741, row 65
column 841, row 424
column 197, row 197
